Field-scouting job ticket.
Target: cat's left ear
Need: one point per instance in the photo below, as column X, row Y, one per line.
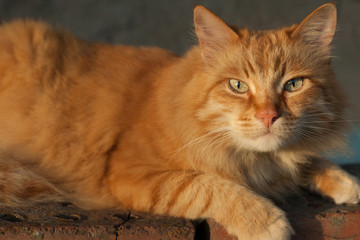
column 213, row 33
column 319, row 27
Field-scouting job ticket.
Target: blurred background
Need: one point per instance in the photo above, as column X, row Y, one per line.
column 168, row 24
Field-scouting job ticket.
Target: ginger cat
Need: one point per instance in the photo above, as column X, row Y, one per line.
column 242, row 117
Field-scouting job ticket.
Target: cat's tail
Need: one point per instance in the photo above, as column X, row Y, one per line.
column 21, row 186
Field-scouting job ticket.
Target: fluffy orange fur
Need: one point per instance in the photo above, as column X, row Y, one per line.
column 243, row 116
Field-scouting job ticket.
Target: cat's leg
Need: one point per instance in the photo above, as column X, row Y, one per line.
column 198, row 195
column 20, row 185
column 328, row 179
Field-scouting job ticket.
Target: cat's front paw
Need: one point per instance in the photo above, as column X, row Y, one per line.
column 348, row 189
column 279, row 229
column 339, row 185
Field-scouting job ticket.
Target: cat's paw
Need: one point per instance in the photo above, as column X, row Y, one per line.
column 347, row 189
column 338, row 185
column 279, row 229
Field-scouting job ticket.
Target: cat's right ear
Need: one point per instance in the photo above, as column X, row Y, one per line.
column 319, row 27
column 212, row 32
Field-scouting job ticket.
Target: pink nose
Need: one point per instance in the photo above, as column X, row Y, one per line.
column 268, row 116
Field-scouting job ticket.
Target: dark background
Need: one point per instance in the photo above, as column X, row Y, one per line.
column 168, row 24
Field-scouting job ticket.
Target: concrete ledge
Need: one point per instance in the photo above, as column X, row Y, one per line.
column 311, row 216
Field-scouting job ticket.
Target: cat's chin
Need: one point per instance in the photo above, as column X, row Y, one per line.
column 265, row 143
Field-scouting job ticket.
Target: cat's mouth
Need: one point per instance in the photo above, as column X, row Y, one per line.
column 266, row 141
column 266, row 132
column 269, row 135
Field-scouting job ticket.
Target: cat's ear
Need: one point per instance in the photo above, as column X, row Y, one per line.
column 319, row 27
column 213, row 33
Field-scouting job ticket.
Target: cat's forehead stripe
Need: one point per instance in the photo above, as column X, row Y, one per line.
column 250, row 66
column 266, row 56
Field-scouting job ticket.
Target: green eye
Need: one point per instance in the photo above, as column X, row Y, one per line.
column 294, row 84
column 238, row 86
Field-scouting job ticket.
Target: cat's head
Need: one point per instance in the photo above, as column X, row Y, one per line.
column 271, row 90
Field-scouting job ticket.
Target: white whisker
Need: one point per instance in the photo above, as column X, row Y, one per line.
column 200, row 139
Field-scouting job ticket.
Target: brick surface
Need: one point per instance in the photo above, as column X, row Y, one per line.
column 65, row 221
column 312, row 217
column 316, row 218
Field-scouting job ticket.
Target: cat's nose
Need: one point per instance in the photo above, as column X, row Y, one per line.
column 268, row 116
